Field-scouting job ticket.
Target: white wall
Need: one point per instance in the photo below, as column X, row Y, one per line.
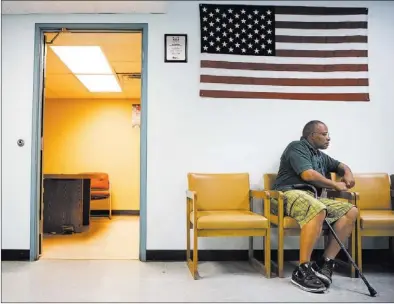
column 187, row 133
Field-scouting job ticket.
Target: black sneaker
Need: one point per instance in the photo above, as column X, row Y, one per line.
column 305, row 278
column 323, row 269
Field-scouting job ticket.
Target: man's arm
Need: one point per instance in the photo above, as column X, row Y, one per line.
column 347, row 175
column 302, row 165
column 315, row 178
column 343, row 169
column 333, row 165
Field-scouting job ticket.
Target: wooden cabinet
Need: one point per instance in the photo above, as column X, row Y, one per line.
column 66, row 203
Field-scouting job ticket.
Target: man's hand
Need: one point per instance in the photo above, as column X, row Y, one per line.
column 348, row 179
column 316, row 179
column 340, row 186
column 347, row 175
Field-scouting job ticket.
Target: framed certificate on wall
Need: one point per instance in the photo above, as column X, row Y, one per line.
column 175, row 48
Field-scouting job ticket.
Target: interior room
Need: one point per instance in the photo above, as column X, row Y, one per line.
column 238, row 134
column 91, row 139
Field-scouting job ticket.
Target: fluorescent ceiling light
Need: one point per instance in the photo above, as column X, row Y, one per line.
column 83, row 59
column 100, row 83
column 90, row 66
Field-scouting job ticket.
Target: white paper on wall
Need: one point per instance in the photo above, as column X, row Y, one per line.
column 136, row 116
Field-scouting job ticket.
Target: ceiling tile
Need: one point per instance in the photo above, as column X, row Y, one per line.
column 123, row 51
column 126, row 67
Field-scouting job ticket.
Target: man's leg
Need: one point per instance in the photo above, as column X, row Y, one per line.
column 343, row 228
column 309, row 214
column 344, row 216
column 310, row 233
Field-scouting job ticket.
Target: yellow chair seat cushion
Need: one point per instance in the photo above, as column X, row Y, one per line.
column 231, row 219
column 288, row 222
column 377, row 219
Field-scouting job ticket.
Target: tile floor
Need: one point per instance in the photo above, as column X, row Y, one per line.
column 104, row 238
column 134, row 281
column 100, row 266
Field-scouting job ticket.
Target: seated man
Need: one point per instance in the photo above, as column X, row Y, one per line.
column 302, row 162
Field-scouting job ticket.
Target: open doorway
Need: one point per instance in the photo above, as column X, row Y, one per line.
column 91, row 146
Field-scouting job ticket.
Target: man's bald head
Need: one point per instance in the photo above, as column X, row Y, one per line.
column 316, row 132
column 311, row 127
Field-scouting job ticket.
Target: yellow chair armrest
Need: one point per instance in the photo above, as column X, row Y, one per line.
column 266, row 196
column 260, row 194
column 279, row 196
column 191, row 198
column 350, row 196
column 276, row 194
column 191, row 194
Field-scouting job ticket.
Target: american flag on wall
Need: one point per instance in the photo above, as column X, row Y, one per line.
column 284, row 52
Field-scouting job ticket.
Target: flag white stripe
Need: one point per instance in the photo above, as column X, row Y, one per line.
column 284, row 60
column 321, row 33
column 321, row 18
column 283, row 74
column 320, row 46
column 281, row 89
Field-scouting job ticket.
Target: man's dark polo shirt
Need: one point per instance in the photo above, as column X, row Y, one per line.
column 300, row 156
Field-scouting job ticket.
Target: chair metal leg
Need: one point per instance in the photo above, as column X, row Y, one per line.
column 188, row 241
column 188, row 260
column 110, row 206
column 264, row 269
column 267, row 253
column 281, row 257
column 359, row 248
column 250, row 251
column 352, row 250
column 326, row 239
column 193, row 263
column 195, row 255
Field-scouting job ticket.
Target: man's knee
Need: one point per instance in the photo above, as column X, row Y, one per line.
column 318, row 212
column 352, row 214
column 321, row 216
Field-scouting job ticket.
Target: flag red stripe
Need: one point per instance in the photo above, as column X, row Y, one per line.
column 321, row 54
column 283, row 81
column 321, row 25
column 311, row 10
column 291, row 96
column 321, row 39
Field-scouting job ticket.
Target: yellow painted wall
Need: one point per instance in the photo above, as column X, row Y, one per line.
column 95, row 136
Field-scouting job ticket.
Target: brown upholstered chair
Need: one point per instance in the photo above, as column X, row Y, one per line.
column 218, row 205
column 287, row 226
column 100, row 188
column 374, row 202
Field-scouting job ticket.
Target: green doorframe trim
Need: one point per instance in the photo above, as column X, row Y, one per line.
column 36, row 121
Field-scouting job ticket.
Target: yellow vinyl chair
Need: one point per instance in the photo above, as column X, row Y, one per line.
column 287, row 226
column 374, row 202
column 219, row 205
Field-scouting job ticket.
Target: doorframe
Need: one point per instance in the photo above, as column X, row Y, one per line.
column 40, row 29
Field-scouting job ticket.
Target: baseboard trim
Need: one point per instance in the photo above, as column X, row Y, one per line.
column 203, row 255
column 15, row 254
column 370, row 256
column 114, row 212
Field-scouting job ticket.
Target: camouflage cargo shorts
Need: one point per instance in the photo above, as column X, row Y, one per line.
column 303, row 206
